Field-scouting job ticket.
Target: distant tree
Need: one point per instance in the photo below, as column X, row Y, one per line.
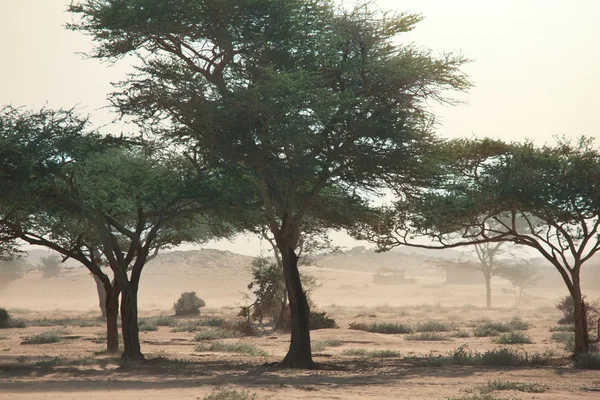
column 318, row 106
column 546, row 198
column 50, row 266
column 521, row 276
column 10, row 271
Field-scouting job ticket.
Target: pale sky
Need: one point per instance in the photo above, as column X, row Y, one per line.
column 536, row 67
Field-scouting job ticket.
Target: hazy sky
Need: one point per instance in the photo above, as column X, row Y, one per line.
column 536, row 66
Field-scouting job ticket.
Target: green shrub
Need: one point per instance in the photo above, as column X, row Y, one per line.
column 162, row 320
column 17, row 323
column 4, row 317
column 499, row 384
column 197, row 324
column 435, row 326
column 563, row 328
column 239, row 347
column 213, row 334
column 427, row 336
column 320, row 320
column 371, row 353
column 587, row 360
column 45, row 337
column 479, row 396
column 146, row 325
column 492, row 328
column 383, row 327
column 461, row 334
column 500, row 357
column 188, row 304
column 320, row 345
column 230, row 394
column 513, row 338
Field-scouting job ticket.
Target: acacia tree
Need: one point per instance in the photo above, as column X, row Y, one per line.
column 546, row 198
column 487, row 253
column 95, row 201
column 298, row 95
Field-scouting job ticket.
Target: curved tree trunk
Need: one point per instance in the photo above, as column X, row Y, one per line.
column 299, row 354
column 112, row 315
column 582, row 339
column 101, row 295
column 129, row 325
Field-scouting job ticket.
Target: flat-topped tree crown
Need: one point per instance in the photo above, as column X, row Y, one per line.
column 298, row 94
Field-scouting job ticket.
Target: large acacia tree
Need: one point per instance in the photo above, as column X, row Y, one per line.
column 297, row 94
column 546, row 198
column 100, row 200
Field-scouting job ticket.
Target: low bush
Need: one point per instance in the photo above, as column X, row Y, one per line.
column 147, row 324
column 427, row 336
column 590, row 360
column 499, row 384
column 492, row 328
column 213, row 334
column 238, row 347
column 45, row 337
column 188, row 304
column 435, row 326
column 230, row 394
column 320, row 345
column 499, row 357
column 371, row 353
column 320, row 320
column 197, row 324
column 4, row 317
column 513, row 338
column 383, row 327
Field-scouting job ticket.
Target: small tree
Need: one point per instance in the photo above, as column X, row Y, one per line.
column 521, row 276
column 188, row 304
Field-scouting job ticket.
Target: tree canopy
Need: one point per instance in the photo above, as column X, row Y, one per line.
column 299, row 95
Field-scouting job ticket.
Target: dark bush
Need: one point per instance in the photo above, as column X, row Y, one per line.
column 319, row 320
column 4, row 317
column 188, row 304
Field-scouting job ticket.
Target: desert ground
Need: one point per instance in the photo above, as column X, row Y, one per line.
column 353, row 363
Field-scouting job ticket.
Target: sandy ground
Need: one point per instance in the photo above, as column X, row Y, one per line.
column 76, row 369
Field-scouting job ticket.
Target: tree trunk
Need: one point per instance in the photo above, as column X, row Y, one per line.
column 299, row 354
column 582, row 339
column 101, row 295
column 488, row 291
column 280, row 324
column 112, row 315
column 129, row 325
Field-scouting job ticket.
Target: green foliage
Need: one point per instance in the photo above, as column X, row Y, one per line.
column 499, row 384
column 54, row 336
column 246, row 349
column 4, row 317
column 230, row 394
column 320, row 345
column 435, row 326
column 563, row 328
column 427, row 336
column 268, row 287
column 502, row 356
column 10, row 270
column 494, row 328
column 197, row 324
column 371, row 353
column 188, row 304
column 461, row 334
column 382, row 327
column 147, row 325
column 52, row 361
column 320, row 320
column 513, row 338
column 480, row 396
column 213, row 334
column 589, row 360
